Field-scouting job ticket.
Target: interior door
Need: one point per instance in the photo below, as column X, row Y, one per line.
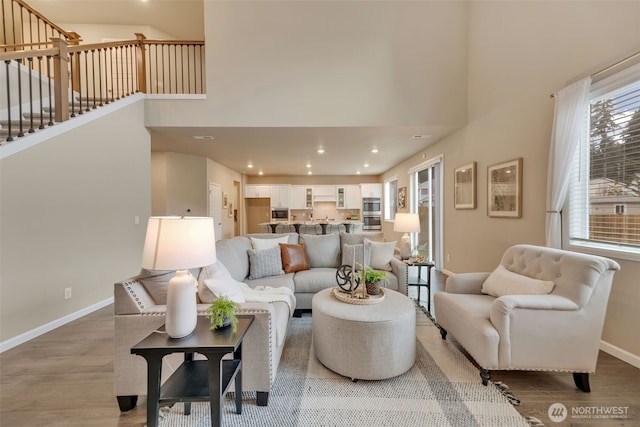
column 215, row 208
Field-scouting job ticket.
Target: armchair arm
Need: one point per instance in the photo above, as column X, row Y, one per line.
column 399, row 268
column 466, row 283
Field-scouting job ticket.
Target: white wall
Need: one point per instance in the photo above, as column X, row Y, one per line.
column 67, row 219
column 317, row 63
column 520, row 53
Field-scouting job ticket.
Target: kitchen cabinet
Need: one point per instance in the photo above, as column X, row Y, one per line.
column 298, row 197
column 279, row 196
column 348, row 197
column 254, row 191
column 324, row 193
column 371, row 190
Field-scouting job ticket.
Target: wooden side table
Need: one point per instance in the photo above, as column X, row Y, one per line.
column 419, row 282
column 195, row 380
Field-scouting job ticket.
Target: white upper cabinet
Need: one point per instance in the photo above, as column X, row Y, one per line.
column 280, row 196
column 348, row 197
column 371, row 190
column 255, row 191
column 298, row 197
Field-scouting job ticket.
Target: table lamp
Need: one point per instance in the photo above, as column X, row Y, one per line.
column 406, row 223
column 180, row 243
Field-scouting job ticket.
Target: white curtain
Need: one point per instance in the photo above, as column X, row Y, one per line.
column 568, row 122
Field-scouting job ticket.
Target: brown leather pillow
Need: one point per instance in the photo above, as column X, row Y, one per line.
column 294, row 257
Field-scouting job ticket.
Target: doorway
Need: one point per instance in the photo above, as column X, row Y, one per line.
column 426, row 187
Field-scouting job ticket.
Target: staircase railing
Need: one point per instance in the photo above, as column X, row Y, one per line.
column 45, row 86
column 25, row 28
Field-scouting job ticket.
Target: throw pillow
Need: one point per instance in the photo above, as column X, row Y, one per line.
column 294, row 257
column 215, row 281
column 265, row 262
column 347, row 255
column 504, row 282
column 267, row 243
column 322, row 250
column 380, row 254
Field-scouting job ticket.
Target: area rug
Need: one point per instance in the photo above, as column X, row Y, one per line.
column 442, row 389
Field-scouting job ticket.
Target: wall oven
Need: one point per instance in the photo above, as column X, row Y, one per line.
column 371, row 214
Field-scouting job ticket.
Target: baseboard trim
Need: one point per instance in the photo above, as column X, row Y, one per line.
column 621, row 354
column 40, row 330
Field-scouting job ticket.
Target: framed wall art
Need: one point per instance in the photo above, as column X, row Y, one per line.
column 230, row 214
column 402, row 197
column 225, row 200
column 504, row 189
column 465, row 186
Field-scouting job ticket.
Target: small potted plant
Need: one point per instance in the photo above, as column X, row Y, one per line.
column 221, row 313
column 372, row 280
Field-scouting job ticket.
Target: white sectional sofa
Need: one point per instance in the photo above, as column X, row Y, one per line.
column 140, row 304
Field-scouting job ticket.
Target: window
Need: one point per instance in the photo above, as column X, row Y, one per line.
column 390, row 198
column 604, row 196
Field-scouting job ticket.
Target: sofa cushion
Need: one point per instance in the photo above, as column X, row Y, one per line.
column 215, row 281
column 266, row 243
column 314, row 280
column 323, row 250
column 358, row 238
column 265, row 262
column 504, row 282
column 380, row 254
column 294, row 258
column 282, row 280
column 233, row 254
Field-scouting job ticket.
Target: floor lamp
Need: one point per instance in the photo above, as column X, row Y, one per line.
column 406, row 223
column 180, row 243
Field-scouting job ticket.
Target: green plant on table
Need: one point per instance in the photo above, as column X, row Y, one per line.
column 220, row 310
column 373, row 276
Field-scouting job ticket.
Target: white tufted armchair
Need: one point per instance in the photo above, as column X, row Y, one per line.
column 556, row 331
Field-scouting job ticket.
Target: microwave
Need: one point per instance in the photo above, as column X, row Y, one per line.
column 279, row 214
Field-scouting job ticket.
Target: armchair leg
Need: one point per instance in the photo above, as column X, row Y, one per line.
column 127, row 403
column 582, row 381
column 485, row 375
column 262, row 398
column 443, row 333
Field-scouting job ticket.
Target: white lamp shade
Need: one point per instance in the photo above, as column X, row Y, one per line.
column 179, row 243
column 406, row 223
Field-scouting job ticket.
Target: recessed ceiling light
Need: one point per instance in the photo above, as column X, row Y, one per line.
column 374, row 151
column 250, row 165
column 358, row 173
column 308, row 165
column 209, row 137
column 320, row 150
column 309, row 173
column 260, row 173
column 366, row 165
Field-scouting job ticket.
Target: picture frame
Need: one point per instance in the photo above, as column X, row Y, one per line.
column 504, row 189
column 225, row 200
column 464, row 187
column 230, row 215
column 402, row 197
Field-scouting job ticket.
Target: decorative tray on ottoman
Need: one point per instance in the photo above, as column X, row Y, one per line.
column 356, row 298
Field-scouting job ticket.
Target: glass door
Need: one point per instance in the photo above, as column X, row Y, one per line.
column 426, row 185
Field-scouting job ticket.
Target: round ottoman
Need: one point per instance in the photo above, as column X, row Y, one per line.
column 368, row 342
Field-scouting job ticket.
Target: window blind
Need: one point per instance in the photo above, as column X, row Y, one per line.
column 605, row 190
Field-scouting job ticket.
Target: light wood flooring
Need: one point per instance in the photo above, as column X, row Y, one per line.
column 64, row 378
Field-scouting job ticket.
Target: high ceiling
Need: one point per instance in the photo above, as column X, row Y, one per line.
column 278, row 150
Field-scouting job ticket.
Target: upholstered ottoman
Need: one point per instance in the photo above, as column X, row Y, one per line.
column 368, row 342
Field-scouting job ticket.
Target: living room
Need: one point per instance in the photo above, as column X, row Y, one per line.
column 68, row 205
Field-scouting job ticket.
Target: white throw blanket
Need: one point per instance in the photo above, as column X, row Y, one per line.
column 269, row 294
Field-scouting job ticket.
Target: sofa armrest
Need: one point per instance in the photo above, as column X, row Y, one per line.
column 399, row 268
column 466, row 283
column 131, row 297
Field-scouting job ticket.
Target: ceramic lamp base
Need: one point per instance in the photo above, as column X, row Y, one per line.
column 182, row 312
column 405, row 246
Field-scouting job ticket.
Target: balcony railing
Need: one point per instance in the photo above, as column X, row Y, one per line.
column 45, row 86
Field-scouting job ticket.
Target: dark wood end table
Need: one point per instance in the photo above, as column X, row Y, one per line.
column 195, row 380
column 418, row 281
